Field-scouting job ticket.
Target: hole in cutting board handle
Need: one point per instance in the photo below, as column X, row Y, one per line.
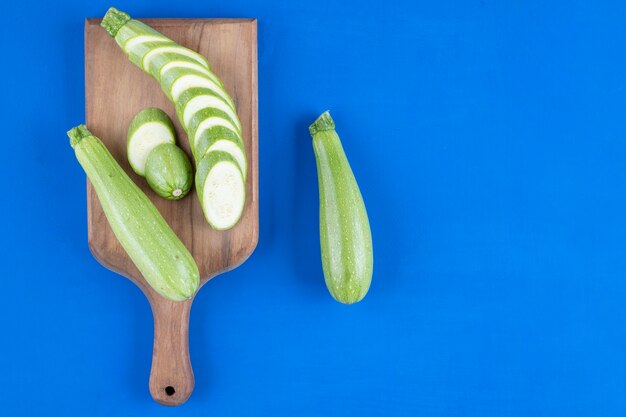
column 169, row 390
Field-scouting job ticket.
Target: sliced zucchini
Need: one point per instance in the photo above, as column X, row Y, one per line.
column 214, row 127
column 230, row 147
column 168, row 78
column 122, row 28
column 190, row 81
column 204, row 101
column 150, row 127
column 221, row 190
column 132, row 43
column 224, row 139
column 220, row 138
column 156, row 58
column 196, row 124
column 169, row 172
column 140, row 50
column 184, row 62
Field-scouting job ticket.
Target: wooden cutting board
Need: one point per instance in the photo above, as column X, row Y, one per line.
column 115, row 90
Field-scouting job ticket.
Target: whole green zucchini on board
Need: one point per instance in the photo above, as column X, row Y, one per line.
column 345, row 236
column 154, row 248
column 204, row 108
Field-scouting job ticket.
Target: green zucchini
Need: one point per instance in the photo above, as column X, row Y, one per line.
column 199, row 97
column 196, row 99
column 221, row 189
column 183, row 62
column 172, row 74
column 152, row 153
column 160, row 55
column 345, row 236
column 218, row 138
column 158, row 253
column 169, row 172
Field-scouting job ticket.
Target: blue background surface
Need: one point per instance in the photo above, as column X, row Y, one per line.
column 488, row 139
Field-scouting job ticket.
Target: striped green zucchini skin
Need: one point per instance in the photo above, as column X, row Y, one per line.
column 169, row 172
column 345, row 236
column 196, row 122
column 158, row 253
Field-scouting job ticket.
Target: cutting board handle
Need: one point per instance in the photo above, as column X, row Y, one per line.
column 171, row 377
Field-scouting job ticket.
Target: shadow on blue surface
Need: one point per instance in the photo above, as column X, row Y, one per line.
column 305, row 209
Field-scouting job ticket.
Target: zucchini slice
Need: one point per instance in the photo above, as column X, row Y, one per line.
column 132, row 43
column 140, row 50
column 196, row 123
column 204, row 101
column 221, row 189
column 150, row 128
column 211, row 128
column 152, row 153
column 169, row 77
column 156, row 58
column 189, row 81
column 187, row 96
column 188, row 64
column 223, row 139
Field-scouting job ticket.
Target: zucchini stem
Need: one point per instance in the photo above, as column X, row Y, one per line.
column 114, row 20
column 322, row 124
column 77, row 134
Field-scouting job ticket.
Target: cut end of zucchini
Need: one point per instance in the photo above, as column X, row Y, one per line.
column 223, row 195
column 221, row 190
column 114, row 20
column 78, row 133
column 234, row 150
column 169, row 172
column 150, row 128
column 323, row 123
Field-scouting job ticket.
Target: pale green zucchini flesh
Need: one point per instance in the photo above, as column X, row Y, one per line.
column 150, row 128
column 345, row 236
column 204, row 101
column 184, row 62
column 188, row 81
column 151, row 244
column 154, row 60
column 209, row 127
column 140, row 41
column 218, row 138
column 221, row 189
column 168, row 75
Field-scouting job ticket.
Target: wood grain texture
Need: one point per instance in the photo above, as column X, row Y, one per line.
column 115, row 91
